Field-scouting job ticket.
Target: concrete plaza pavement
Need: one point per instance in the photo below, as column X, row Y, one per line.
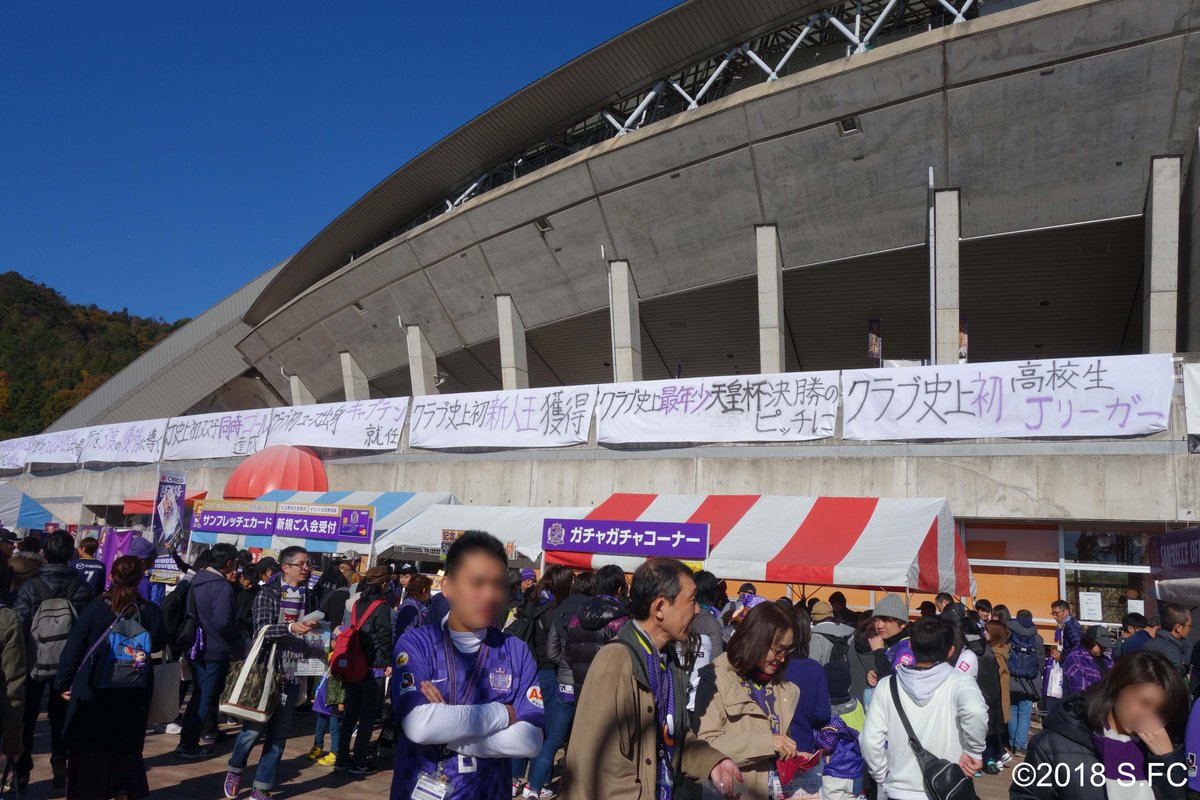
column 172, row 777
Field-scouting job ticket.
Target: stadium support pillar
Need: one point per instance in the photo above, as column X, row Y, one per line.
column 301, row 396
column 514, row 362
column 354, row 380
column 770, row 300
column 1190, row 236
column 1160, row 273
column 626, row 323
column 947, row 227
column 422, row 364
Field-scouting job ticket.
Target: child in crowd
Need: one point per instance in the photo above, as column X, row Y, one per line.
column 329, row 704
column 842, row 779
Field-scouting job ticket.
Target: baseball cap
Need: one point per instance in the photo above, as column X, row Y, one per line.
column 820, row 610
column 407, row 569
column 1102, row 636
column 141, row 547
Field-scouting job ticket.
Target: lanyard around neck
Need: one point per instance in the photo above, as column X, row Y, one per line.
column 452, row 673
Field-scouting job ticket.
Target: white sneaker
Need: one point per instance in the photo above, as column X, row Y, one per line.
column 544, row 794
column 1004, row 759
column 174, row 728
column 516, row 789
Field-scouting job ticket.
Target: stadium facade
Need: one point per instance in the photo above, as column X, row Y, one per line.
column 738, row 188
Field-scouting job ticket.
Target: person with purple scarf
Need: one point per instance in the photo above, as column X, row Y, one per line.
column 1116, row 741
column 1089, row 662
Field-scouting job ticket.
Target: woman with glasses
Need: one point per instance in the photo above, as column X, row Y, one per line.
column 812, row 713
column 745, row 704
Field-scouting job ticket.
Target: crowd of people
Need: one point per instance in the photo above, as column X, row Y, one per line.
column 657, row 687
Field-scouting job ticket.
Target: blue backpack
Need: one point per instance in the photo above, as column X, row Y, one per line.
column 1024, row 655
column 122, row 653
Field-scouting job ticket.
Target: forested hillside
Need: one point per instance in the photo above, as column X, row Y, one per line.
column 54, row 353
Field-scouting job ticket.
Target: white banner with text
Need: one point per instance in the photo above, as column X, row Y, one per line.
column 789, row 407
column 224, row 434
column 554, row 417
column 1065, row 397
column 356, row 425
column 123, row 442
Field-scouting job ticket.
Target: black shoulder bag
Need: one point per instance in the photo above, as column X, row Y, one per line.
column 943, row 780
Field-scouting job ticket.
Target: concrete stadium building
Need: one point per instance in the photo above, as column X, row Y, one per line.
column 736, row 188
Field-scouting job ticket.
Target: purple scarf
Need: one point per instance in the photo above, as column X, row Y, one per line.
column 1114, row 753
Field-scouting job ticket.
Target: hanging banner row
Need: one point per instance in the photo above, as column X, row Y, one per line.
column 1083, row 397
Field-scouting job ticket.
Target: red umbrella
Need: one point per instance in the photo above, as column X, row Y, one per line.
column 280, row 466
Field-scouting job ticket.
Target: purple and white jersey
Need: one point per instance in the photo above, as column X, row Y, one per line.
column 504, row 673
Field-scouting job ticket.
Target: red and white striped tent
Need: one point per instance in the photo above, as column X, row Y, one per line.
column 875, row 542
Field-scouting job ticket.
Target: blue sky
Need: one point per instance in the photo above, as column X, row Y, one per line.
column 158, row 156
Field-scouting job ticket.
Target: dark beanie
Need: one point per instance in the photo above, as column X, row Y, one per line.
column 837, row 675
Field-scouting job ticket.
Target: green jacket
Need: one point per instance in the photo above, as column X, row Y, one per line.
column 12, row 672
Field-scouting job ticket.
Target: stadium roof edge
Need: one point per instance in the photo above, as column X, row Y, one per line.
column 604, row 74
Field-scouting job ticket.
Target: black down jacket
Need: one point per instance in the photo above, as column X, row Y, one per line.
column 1068, row 740
column 591, row 628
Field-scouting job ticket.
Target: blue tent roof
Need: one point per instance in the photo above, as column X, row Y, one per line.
column 19, row 510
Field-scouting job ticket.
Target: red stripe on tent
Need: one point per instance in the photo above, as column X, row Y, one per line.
column 927, row 561
column 569, row 559
column 622, row 506
column 962, row 569
column 824, row 538
column 722, row 512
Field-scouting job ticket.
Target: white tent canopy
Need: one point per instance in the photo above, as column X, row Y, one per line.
column 19, row 510
column 891, row 543
column 520, row 524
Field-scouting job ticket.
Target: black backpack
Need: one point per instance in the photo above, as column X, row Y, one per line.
column 840, row 652
column 943, row 779
column 1024, row 656
column 524, row 624
column 179, row 614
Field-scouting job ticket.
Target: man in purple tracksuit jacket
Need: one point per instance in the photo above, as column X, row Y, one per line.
column 467, row 693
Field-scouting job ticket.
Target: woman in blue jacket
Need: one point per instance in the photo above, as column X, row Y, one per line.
column 813, row 710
